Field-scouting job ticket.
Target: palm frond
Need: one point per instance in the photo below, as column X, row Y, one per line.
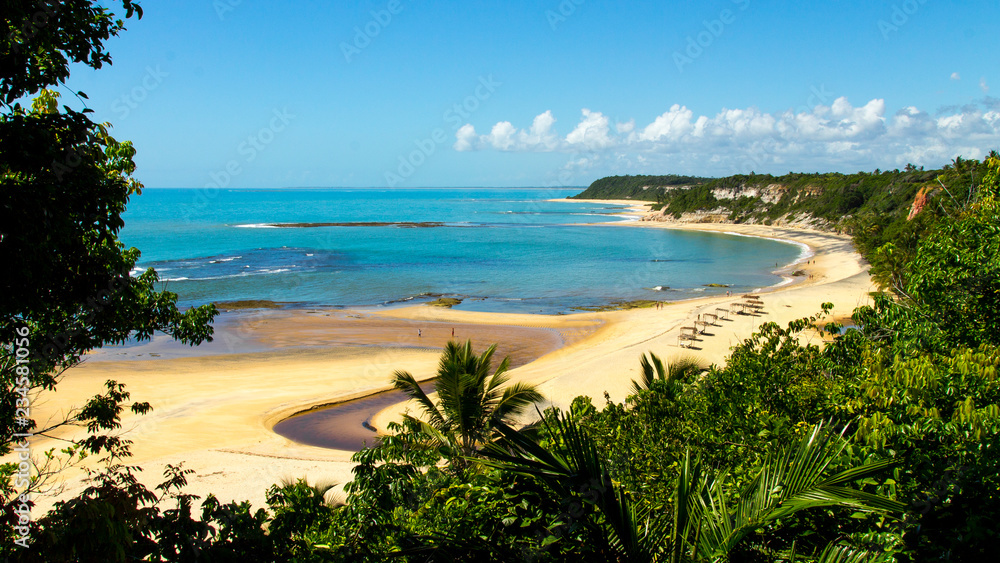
column 839, row 553
column 578, row 471
column 469, row 399
column 493, row 391
column 516, row 397
column 653, row 367
column 649, row 369
column 682, row 366
column 405, row 382
column 704, row 523
column 790, row 480
column 445, row 442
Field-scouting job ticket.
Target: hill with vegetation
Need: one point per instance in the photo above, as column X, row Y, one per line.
column 831, row 198
column 645, row 188
column 874, row 207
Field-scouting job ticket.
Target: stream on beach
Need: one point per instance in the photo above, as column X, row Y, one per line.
column 343, row 426
column 347, row 425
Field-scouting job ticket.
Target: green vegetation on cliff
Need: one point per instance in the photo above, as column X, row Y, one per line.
column 644, row 188
column 832, row 197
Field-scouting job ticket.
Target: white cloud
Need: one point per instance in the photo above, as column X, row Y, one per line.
column 742, row 123
column 671, row 126
column 955, row 76
column 626, row 127
column 502, row 136
column 910, row 121
column 592, row 132
column 835, row 136
column 505, row 137
column 983, row 86
column 540, row 135
column 465, row 138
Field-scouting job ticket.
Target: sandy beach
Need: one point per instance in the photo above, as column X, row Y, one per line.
column 215, row 412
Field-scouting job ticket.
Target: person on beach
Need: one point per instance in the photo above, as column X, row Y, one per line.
column 453, row 332
column 419, row 333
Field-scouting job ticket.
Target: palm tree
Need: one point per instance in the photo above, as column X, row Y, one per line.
column 470, row 400
column 677, row 371
column 708, row 519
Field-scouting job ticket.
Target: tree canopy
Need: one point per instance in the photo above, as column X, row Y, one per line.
column 68, row 285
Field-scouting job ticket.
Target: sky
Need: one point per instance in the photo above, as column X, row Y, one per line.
column 406, row 93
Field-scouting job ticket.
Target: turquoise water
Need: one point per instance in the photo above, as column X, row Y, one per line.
column 505, row 250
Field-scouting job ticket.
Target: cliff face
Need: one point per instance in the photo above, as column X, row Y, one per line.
column 768, row 194
column 920, row 201
column 722, row 215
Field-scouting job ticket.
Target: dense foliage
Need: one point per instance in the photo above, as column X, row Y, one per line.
column 647, row 188
column 830, row 197
column 66, row 286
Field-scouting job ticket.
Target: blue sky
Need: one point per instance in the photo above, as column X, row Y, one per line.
column 267, row 94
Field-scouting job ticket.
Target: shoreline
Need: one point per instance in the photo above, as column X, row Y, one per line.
column 833, row 252
column 215, row 412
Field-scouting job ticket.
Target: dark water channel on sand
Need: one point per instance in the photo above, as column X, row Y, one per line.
column 343, row 426
column 346, row 425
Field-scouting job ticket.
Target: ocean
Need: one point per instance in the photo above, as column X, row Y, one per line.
column 498, row 250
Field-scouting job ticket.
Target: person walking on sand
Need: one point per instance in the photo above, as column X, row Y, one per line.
column 453, row 332
column 419, row 333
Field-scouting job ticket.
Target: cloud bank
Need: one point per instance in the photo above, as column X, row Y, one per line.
column 835, row 136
